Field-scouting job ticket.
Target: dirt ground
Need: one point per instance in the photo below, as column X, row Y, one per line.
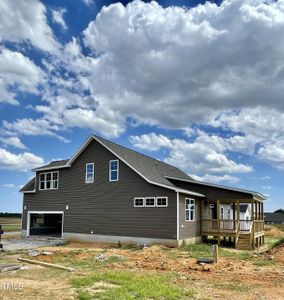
column 256, row 276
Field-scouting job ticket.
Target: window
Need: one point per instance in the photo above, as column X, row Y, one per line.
column 222, row 213
column 113, row 170
column 48, row 181
column 150, row 201
column 90, row 173
column 189, row 209
column 162, row 201
column 138, row 202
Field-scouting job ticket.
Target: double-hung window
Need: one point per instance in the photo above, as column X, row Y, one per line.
column 189, row 209
column 48, row 181
column 113, row 170
column 90, row 173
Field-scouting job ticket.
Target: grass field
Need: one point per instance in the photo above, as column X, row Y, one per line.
column 10, row 224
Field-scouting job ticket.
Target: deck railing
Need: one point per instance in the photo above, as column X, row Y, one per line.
column 231, row 226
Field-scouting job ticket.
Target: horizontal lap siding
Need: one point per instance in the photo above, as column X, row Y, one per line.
column 210, row 192
column 106, row 207
column 188, row 229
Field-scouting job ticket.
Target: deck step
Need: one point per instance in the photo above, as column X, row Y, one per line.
column 244, row 242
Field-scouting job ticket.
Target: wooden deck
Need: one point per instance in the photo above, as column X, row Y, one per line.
column 246, row 234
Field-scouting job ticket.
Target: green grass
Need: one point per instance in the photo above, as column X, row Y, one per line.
column 11, row 228
column 10, row 224
column 198, row 250
column 14, row 221
column 233, row 286
column 278, row 243
column 130, row 286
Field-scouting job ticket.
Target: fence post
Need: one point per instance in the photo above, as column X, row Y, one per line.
column 215, row 253
column 1, row 232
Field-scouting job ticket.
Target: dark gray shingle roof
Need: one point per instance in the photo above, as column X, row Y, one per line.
column 151, row 168
column 276, row 217
column 29, row 187
column 53, row 164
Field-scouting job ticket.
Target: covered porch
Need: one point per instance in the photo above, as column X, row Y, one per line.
column 240, row 222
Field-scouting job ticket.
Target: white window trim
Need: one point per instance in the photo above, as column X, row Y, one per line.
column 139, row 205
column 185, row 209
column 161, row 205
column 93, row 175
column 51, row 181
column 43, row 212
column 109, row 168
column 145, row 202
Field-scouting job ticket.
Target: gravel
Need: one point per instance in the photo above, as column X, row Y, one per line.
column 30, row 243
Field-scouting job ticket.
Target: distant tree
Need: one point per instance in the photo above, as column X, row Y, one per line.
column 10, row 215
column 280, row 210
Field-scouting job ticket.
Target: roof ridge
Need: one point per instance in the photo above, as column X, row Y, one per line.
column 148, row 156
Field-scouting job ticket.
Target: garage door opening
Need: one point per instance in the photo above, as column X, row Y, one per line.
column 46, row 224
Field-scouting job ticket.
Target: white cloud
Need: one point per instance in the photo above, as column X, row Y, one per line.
column 273, row 153
column 151, row 141
column 57, row 17
column 88, row 2
column 205, row 155
column 18, row 72
column 19, row 162
column 13, row 141
column 215, row 178
column 172, row 66
column 25, row 21
column 9, row 185
column 33, row 127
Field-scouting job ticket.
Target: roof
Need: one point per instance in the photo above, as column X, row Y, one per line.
column 256, row 195
column 276, row 217
column 29, row 187
column 151, row 169
column 53, row 164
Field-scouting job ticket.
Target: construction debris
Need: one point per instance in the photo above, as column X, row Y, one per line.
column 8, row 268
column 44, row 264
column 37, row 253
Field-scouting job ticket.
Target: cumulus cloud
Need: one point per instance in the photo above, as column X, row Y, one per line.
column 173, row 66
column 19, row 73
column 25, row 21
column 205, row 155
column 9, row 185
column 57, row 17
column 151, row 141
column 13, row 141
column 19, row 162
column 215, row 178
column 33, row 128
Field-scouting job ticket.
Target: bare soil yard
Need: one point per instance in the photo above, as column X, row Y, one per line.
column 110, row 272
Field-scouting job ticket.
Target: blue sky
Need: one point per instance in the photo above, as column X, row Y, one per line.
column 197, row 84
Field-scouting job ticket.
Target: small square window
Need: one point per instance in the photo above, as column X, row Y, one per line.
column 150, row 201
column 138, row 202
column 162, row 201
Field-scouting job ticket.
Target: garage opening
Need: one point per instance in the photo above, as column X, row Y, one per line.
column 46, row 224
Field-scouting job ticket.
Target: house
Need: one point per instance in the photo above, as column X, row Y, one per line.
column 273, row 218
column 110, row 193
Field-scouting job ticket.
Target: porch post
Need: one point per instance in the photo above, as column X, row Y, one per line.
column 202, row 216
column 252, row 219
column 218, row 220
column 238, row 210
column 234, row 215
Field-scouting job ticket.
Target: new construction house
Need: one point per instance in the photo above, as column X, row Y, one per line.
column 109, row 193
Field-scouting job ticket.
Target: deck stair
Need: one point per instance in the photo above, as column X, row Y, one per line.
column 244, row 241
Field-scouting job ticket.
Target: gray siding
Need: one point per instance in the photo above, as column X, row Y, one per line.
column 105, row 207
column 188, row 229
column 212, row 193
